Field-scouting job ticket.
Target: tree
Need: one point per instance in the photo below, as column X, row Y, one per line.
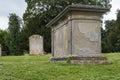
column 13, row 36
column 109, row 36
column 118, row 32
column 3, row 34
column 40, row 12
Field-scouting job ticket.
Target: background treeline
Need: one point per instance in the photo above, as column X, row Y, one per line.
column 38, row 13
column 111, row 35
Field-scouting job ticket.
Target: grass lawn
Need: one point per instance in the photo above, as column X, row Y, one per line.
column 39, row 68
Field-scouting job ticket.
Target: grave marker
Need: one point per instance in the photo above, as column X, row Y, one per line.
column 36, row 45
column 76, row 33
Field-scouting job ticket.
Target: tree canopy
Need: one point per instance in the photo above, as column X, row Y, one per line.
column 3, row 34
column 12, row 38
column 111, row 36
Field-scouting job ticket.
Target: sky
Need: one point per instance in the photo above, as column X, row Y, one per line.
column 10, row 6
column 112, row 14
column 19, row 7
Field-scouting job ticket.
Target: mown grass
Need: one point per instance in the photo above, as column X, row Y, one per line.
column 40, row 68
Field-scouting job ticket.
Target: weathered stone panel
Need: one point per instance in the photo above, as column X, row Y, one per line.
column 61, row 42
column 86, row 38
column 36, row 45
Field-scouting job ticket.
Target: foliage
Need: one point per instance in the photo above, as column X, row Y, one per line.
column 12, row 39
column 110, row 36
column 40, row 12
column 39, row 68
column 117, row 44
column 3, row 34
column 68, row 60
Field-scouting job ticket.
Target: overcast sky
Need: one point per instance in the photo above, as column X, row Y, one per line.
column 10, row 6
column 19, row 6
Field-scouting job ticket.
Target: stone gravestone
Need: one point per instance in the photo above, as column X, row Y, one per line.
column 76, row 34
column 36, row 45
column 0, row 50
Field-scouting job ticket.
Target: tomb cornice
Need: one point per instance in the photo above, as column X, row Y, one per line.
column 80, row 8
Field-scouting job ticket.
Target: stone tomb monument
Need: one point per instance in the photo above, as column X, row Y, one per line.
column 0, row 50
column 36, row 45
column 76, row 33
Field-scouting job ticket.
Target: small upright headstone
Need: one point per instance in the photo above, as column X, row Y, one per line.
column 0, row 50
column 36, row 45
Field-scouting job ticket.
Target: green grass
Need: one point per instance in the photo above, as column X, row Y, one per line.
column 39, row 68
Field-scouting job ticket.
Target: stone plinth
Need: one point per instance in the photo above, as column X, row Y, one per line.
column 76, row 32
column 36, row 45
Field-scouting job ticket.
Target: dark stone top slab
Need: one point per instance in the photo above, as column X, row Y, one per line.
column 78, row 7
